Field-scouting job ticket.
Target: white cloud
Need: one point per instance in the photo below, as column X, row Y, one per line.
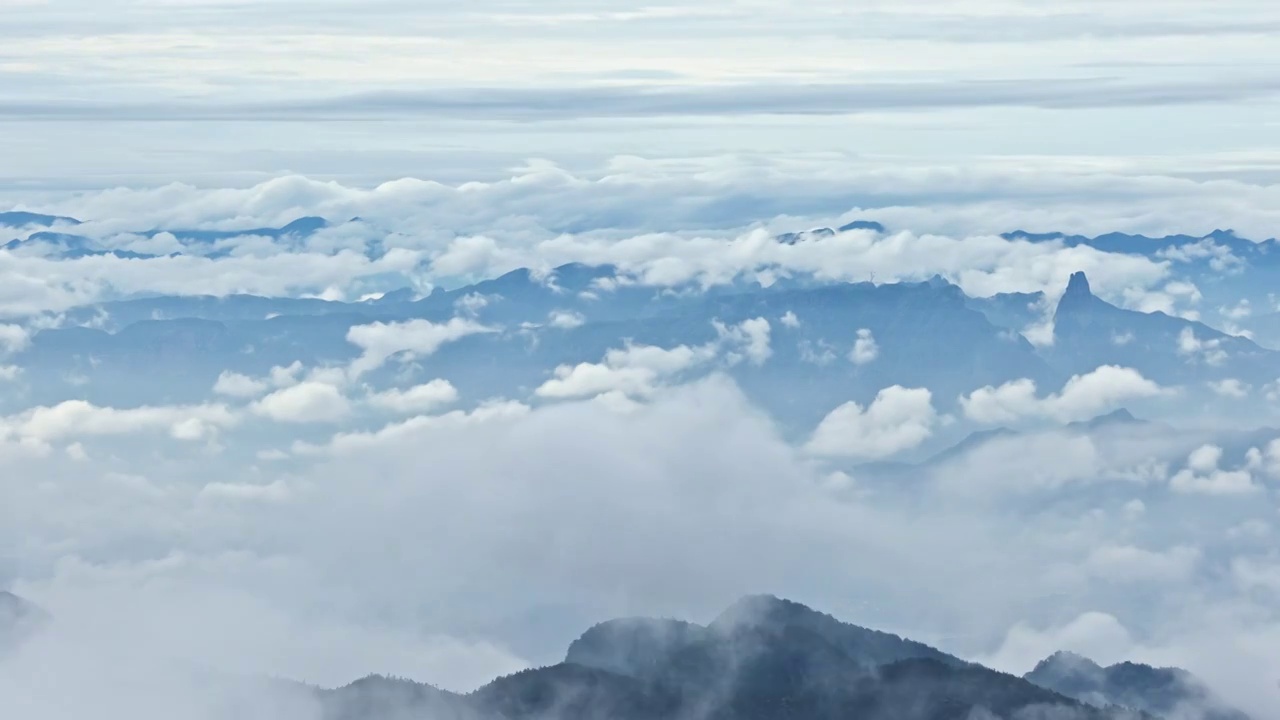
column 865, row 350
column 1040, row 333
column 1130, row 564
column 417, row 399
column 277, row 491
column 752, row 336
column 1240, row 311
column 285, row 375
column 1081, row 398
column 1210, row 351
column 77, row 418
column 789, row 320
column 634, row 371
column 418, row 338
column 239, row 386
column 566, row 319
column 9, row 373
column 818, row 352
column 1230, row 387
column 1095, row 635
column 472, row 303
column 898, row 419
column 13, row 338
column 306, row 402
column 1203, row 476
column 1134, row 509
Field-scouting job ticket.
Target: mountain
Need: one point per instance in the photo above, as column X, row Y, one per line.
column 1167, row 692
column 18, row 219
column 761, row 659
column 1089, row 332
column 302, row 227
column 69, row 246
column 382, row 698
column 791, row 238
column 808, row 373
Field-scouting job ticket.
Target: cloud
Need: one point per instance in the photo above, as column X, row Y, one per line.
column 472, row 303
column 1240, row 311
column 78, row 418
column 819, row 352
column 1129, row 564
column 668, row 508
column 1081, row 398
column 1203, row 476
column 13, row 338
column 306, row 402
column 753, row 337
column 1230, row 388
column 898, row 419
column 38, row 284
column 565, row 319
column 1098, row 636
column 1210, row 351
column 865, row 350
column 789, row 320
column 277, row 491
column 416, row 338
column 417, row 399
column 634, row 371
column 239, row 386
column 652, row 100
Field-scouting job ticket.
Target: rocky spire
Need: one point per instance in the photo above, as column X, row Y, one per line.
column 1078, row 294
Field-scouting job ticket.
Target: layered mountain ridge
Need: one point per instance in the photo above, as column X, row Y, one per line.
column 763, row 658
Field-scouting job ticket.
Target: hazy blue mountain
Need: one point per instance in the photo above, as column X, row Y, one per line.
column 1168, row 692
column 1089, row 332
column 808, row 374
column 1014, row 311
column 791, row 238
column 763, row 658
column 65, row 246
column 1224, row 267
column 302, row 227
column 18, row 219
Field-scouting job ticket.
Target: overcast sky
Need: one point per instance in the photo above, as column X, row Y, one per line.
column 229, row 92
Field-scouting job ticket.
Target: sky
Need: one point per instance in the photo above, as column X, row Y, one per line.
column 229, row 93
column 332, row 518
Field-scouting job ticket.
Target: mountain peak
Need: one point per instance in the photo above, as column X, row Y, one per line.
column 1078, row 294
column 1078, row 286
column 1064, row 662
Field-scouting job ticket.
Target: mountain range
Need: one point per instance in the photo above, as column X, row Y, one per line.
column 762, row 658
column 766, row 658
column 99, row 349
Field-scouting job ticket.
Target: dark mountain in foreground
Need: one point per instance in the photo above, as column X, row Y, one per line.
column 1166, row 692
column 763, row 658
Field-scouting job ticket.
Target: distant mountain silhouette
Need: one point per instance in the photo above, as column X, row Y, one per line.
column 1089, row 332
column 1168, row 692
column 762, row 659
column 807, row 375
column 18, row 218
column 791, row 238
